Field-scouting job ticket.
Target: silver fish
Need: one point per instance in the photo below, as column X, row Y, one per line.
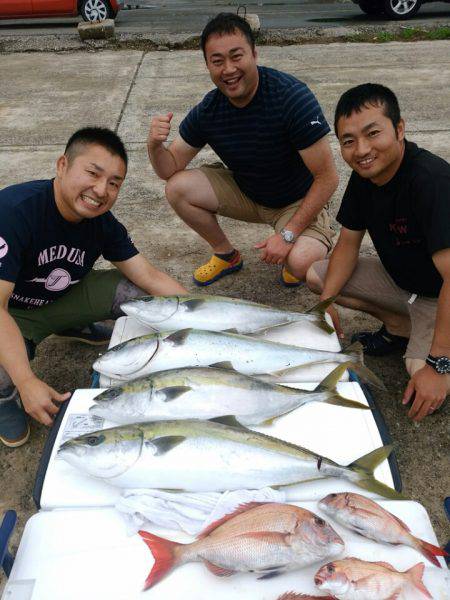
column 200, row 456
column 197, row 348
column 218, row 313
column 208, row 393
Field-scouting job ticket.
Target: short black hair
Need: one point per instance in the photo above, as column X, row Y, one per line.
column 224, row 23
column 95, row 135
column 365, row 95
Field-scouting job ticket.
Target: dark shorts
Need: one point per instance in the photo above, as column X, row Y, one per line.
column 371, row 282
column 88, row 301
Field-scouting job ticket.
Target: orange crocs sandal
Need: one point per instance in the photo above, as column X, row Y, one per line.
column 216, row 268
column 288, row 280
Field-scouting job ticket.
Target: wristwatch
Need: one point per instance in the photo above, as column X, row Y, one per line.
column 441, row 364
column 288, row 236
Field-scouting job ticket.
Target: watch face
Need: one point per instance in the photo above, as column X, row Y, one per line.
column 287, row 235
column 443, row 365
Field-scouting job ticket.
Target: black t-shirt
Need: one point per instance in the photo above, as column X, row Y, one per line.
column 43, row 254
column 408, row 218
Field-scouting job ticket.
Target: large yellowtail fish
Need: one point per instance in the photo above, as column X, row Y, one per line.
column 218, row 313
column 202, row 456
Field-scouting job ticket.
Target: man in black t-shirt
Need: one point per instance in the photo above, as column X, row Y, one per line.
column 51, row 234
column 400, row 195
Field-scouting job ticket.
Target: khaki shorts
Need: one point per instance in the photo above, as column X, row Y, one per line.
column 371, row 282
column 87, row 302
column 233, row 203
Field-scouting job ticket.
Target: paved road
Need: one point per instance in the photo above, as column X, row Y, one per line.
column 177, row 16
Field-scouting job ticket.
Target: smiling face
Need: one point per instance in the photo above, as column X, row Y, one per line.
column 231, row 62
column 370, row 144
column 88, row 185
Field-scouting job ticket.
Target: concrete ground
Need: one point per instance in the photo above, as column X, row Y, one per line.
column 45, row 97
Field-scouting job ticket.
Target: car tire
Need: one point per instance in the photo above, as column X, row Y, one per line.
column 370, row 7
column 96, row 10
column 401, row 9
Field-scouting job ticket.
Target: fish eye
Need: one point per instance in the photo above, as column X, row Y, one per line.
column 146, row 298
column 333, row 495
column 330, row 568
column 95, row 440
column 319, row 521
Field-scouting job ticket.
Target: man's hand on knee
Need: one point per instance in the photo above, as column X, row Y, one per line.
column 40, row 400
column 274, row 250
column 427, row 390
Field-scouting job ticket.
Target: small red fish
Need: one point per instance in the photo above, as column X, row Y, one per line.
column 369, row 519
column 264, row 538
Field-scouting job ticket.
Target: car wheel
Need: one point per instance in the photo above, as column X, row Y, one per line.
column 370, row 7
column 401, row 9
column 96, row 10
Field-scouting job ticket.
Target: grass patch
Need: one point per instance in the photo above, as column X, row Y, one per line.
column 407, row 34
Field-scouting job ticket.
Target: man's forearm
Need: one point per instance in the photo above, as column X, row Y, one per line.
column 162, row 160
column 341, row 265
column 317, row 197
column 13, row 354
column 441, row 339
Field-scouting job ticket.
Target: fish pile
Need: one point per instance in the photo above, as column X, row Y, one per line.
column 188, row 393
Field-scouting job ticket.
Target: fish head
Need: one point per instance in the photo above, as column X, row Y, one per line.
column 334, row 503
column 321, row 539
column 128, row 359
column 107, row 453
column 331, row 578
column 124, row 403
column 151, row 309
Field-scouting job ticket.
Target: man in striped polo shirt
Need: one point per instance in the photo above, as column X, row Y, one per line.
column 269, row 130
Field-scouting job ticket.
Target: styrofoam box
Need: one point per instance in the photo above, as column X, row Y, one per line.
column 74, row 554
column 304, row 334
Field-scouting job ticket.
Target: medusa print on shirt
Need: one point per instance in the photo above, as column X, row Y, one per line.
column 43, row 254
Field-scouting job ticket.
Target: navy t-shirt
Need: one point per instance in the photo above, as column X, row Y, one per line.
column 43, row 254
column 259, row 143
column 408, row 218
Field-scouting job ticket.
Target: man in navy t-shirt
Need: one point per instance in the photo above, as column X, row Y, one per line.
column 400, row 194
column 269, row 131
column 51, row 234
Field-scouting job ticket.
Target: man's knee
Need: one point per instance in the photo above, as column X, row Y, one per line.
column 313, row 281
column 178, row 188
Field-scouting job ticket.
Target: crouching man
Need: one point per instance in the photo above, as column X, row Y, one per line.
column 400, row 194
column 51, row 234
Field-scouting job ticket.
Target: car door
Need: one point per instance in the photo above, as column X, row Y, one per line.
column 53, row 7
column 15, row 8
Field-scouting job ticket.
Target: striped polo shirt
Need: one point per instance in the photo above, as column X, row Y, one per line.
column 259, row 143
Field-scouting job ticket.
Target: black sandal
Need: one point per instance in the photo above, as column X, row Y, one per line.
column 381, row 342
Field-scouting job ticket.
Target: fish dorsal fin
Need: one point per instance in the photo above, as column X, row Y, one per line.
column 415, row 574
column 218, row 571
column 386, row 565
column 171, row 393
column 242, row 508
column 229, row 420
column 226, row 364
column 193, row 304
column 178, row 337
column 166, row 443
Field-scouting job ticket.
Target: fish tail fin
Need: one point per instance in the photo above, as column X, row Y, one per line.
column 415, row 575
column 329, row 385
column 356, row 351
column 163, row 552
column 429, row 551
column 319, row 309
column 364, row 468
